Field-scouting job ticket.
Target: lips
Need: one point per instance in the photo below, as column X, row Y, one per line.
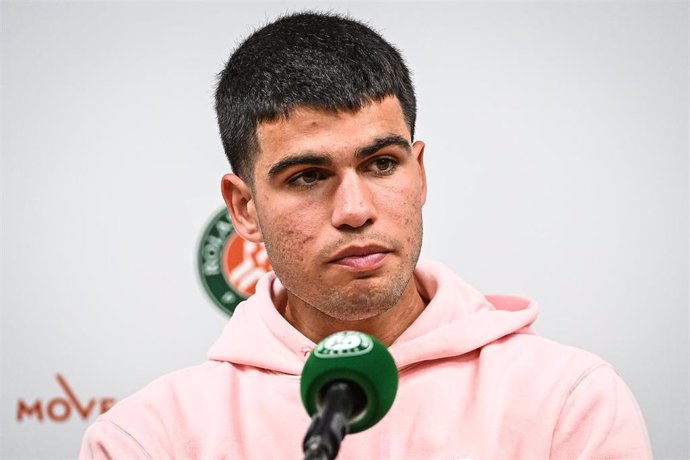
column 361, row 257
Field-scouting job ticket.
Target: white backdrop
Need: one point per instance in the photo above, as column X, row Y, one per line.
column 556, row 154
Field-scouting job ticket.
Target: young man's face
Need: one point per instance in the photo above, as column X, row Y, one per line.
column 337, row 199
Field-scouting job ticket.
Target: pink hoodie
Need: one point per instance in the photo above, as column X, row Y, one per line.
column 475, row 382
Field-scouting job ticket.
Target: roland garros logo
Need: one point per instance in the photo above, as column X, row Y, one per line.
column 229, row 266
column 345, row 343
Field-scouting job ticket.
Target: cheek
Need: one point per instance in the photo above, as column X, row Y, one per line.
column 288, row 233
column 402, row 201
column 293, row 237
column 401, row 208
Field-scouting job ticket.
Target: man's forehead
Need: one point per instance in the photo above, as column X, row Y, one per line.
column 306, row 124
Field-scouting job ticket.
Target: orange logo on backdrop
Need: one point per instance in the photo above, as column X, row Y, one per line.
column 60, row 409
column 229, row 266
column 245, row 263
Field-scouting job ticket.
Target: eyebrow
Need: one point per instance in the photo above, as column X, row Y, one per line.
column 299, row 159
column 319, row 159
column 378, row 144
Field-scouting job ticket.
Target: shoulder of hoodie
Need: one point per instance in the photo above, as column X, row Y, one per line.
column 538, row 362
column 197, row 389
column 569, row 384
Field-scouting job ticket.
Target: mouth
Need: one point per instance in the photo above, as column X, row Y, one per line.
column 368, row 257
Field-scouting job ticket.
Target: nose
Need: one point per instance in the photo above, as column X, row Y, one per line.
column 353, row 204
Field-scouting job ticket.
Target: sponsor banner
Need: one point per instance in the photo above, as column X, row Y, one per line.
column 62, row 408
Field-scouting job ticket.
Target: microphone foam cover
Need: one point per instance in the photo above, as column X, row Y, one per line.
column 356, row 358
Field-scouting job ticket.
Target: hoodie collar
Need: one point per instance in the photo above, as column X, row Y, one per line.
column 458, row 319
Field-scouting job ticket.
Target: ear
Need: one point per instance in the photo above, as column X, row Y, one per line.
column 239, row 199
column 418, row 151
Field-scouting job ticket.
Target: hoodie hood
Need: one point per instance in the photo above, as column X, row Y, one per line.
column 458, row 319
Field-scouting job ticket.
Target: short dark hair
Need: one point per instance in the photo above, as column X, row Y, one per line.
column 308, row 59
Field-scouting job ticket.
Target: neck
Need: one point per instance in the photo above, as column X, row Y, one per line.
column 386, row 327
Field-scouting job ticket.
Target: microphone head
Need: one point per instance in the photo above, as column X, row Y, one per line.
column 360, row 360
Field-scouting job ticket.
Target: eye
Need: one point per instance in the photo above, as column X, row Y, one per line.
column 306, row 178
column 383, row 165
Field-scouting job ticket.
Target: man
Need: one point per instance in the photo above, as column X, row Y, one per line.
column 317, row 115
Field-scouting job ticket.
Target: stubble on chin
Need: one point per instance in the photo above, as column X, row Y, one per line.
column 359, row 300
column 360, row 303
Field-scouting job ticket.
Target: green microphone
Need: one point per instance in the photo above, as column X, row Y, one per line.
column 348, row 384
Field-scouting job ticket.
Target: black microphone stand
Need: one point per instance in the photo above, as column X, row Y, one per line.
column 331, row 423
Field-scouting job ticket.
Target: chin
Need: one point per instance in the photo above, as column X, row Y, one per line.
column 364, row 303
column 354, row 314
